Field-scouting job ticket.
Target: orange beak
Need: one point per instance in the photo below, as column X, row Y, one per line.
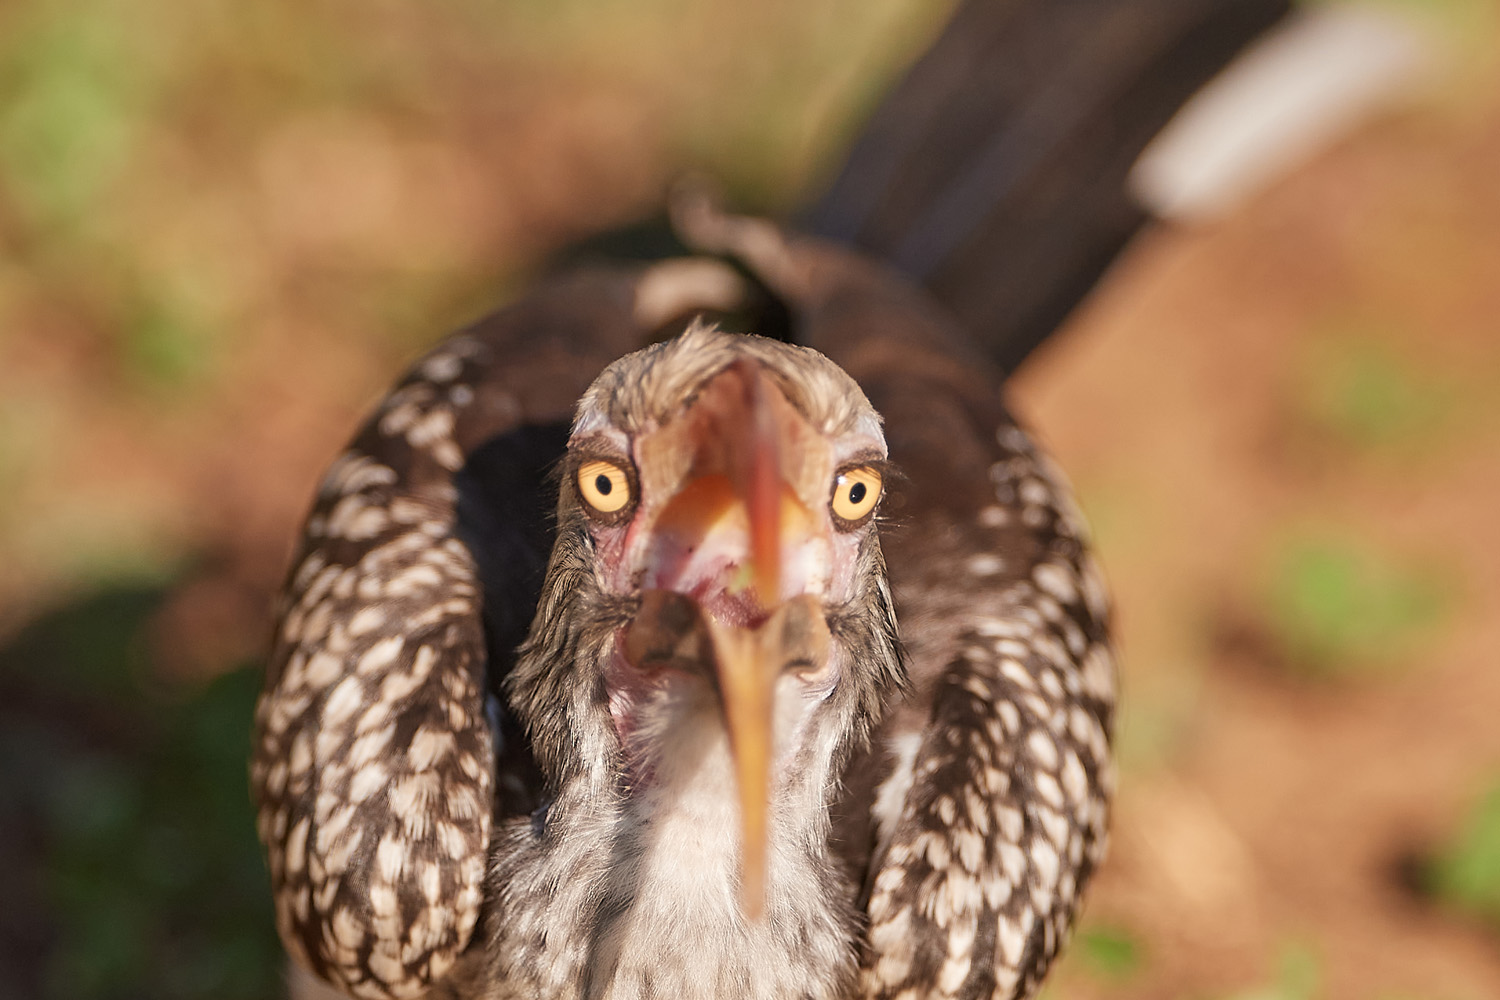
column 738, row 502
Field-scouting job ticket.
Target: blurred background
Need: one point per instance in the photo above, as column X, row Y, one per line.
column 225, row 227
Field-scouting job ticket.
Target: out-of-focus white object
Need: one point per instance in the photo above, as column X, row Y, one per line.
column 1296, row 90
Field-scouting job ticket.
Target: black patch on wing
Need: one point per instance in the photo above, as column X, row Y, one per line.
column 507, row 493
column 506, row 498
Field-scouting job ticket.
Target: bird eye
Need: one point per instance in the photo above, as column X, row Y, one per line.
column 604, row 486
column 855, row 494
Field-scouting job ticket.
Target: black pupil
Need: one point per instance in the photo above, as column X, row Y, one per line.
column 604, row 484
column 857, row 493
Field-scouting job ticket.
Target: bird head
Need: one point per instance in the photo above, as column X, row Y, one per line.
column 717, row 572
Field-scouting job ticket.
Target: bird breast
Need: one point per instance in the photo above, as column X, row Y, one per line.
column 647, row 892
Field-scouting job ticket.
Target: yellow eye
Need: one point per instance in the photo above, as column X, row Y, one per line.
column 855, row 494
column 604, row 486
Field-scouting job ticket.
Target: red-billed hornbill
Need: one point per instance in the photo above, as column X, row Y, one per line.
column 588, row 680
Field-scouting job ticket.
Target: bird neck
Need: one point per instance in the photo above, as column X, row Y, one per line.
column 632, row 875
column 634, row 869
column 648, row 876
column 679, row 790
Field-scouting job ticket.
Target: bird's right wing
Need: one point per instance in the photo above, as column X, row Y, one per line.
column 374, row 765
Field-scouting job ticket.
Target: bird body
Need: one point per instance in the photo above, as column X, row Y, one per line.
column 932, row 806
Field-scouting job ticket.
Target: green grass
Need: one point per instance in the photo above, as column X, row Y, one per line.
column 1358, row 392
column 1335, row 604
column 1299, row 974
column 1464, row 873
column 79, row 92
column 164, row 346
column 1111, row 954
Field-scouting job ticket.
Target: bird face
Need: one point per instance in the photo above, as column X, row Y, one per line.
column 739, row 515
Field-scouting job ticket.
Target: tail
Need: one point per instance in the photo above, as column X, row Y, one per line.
column 1002, row 172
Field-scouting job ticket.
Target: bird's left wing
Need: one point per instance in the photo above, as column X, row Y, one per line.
column 979, row 812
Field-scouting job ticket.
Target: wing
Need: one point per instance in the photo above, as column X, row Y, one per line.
column 374, row 769
column 979, row 812
column 989, row 802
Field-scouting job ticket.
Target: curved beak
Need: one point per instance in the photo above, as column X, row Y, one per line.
column 735, row 572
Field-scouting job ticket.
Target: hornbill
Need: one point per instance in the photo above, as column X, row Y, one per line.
column 629, row 653
column 672, row 791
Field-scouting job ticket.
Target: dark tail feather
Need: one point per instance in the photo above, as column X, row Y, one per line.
column 995, row 173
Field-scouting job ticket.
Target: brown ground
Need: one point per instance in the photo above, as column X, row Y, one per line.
column 1279, row 811
column 1263, row 806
